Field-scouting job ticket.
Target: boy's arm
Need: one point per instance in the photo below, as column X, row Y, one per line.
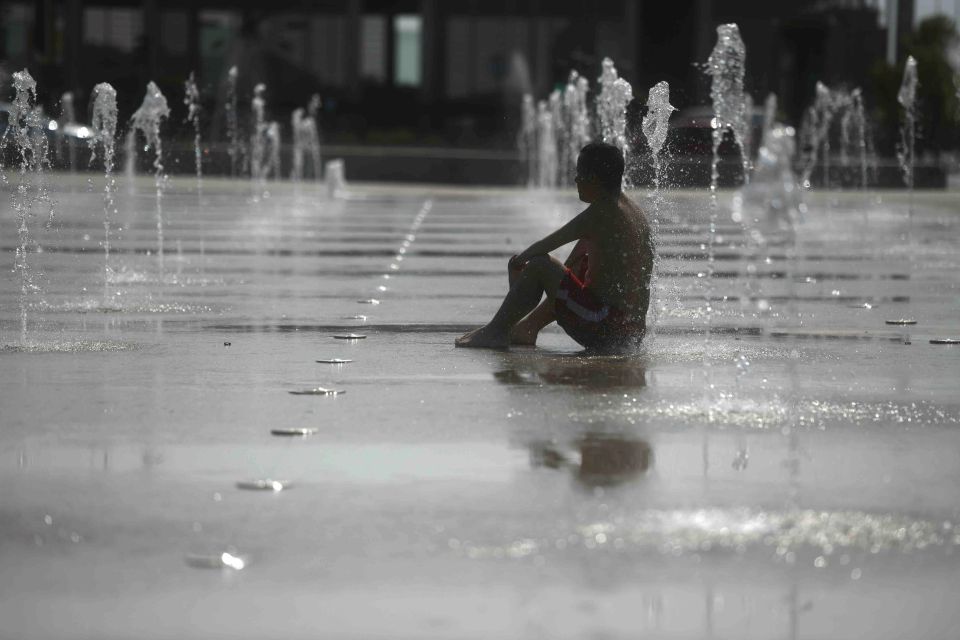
column 576, row 229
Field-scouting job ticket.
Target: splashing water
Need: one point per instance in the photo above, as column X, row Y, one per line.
column 747, row 150
column 313, row 111
column 853, row 126
column 769, row 118
column 130, row 159
column 615, row 94
column 334, row 174
column 828, row 105
column 258, row 107
column 560, row 135
column 24, row 124
column 272, row 166
column 233, row 121
column 726, row 67
column 527, row 139
column 655, row 126
column 809, row 145
column 906, row 154
column 191, row 98
column 773, row 188
column 147, row 119
column 546, row 147
column 306, row 139
column 824, row 108
column 299, row 144
column 577, row 120
column 68, row 116
column 259, row 161
column 104, row 125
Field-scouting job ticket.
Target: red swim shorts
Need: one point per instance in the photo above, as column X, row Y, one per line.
column 590, row 321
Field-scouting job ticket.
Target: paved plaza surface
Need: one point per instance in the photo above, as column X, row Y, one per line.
column 791, row 473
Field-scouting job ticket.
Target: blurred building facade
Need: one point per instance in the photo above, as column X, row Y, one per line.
column 435, row 70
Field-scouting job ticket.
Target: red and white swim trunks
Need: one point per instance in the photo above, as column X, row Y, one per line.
column 587, row 319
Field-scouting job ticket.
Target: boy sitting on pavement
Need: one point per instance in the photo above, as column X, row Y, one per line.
column 600, row 296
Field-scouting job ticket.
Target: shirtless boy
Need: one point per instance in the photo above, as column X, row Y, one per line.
column 601, row 294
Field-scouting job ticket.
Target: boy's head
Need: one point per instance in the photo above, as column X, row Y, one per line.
column 599, row 171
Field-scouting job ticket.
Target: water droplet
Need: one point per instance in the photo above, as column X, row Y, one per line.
column 293, row 432
column 264, row 484
column 317, row 391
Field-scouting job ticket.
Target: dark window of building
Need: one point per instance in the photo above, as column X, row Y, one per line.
column 218, row 29
column 327, row 49
column 16, row 21
column 174, row 30
column 113, row 27
column 373, row 48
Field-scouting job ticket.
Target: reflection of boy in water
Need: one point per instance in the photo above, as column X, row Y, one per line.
column 600, row 296
column 605, row 461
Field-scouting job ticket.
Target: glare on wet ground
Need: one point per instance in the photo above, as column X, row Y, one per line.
column 803, row 484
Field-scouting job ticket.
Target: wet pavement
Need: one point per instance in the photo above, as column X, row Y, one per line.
column 787, row 467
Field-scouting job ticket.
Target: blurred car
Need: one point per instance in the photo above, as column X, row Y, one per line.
column 691, row 132
column 56, row 131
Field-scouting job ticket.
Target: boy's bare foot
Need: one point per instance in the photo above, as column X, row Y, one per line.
column 522, row 336
column 484, row 338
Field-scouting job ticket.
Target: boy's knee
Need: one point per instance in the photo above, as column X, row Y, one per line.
column 539, row 263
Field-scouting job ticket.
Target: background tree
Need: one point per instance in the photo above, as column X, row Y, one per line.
column 934, row 44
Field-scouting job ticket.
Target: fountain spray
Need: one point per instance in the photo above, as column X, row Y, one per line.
column 546, row 147
column 560, row 135
column 825, row 107
column 299, row 144
column 273, row 157
column 906, row 154
column 258, row 107
column 615, row 94
column 577, row 120
column 312, row 129
column 655, row 126
column 233, row 121
column 68, row 116
column 527, row 139
column 147, row 119
column 259, row 138
column 726, row 67
column 306, row 139
column 25, row 125
column 860, row 126
column 104, row 125
column 853, row 132
column 815, row 132
column 191, row 98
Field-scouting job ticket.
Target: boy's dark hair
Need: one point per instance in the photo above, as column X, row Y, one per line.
column 604, row 162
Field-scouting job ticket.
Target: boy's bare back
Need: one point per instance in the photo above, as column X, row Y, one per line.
column 620, row 248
